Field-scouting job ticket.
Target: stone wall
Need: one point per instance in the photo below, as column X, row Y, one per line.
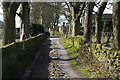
column 16, row 57
column 106, row 58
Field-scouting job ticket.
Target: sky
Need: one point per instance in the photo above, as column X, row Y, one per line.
column 107, row 11
column 1, row 12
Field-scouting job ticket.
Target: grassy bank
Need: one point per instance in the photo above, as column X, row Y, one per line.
column 73, row 51
column 94, row 60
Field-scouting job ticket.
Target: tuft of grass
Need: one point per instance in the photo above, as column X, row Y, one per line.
column 88, row 73
column 55, row 33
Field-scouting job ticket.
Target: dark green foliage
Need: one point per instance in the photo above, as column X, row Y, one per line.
column 17, row 57
column 36, row 29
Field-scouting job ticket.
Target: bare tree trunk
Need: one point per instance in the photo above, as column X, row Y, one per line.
column 88, row 21
column 76, row 13
column 75, row 9
column 98, row 28
column 9, row 28
column 108, row 39
column 116, row 24
column 9, row 13
column 98, row 22
column 70, row 28
column 75, row 20
column 24, row 30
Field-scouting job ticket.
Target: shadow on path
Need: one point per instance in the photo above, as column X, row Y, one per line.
column 53, row 37
column 52, row 61
column 61, row 48
column 40, row 69
column 60, row 59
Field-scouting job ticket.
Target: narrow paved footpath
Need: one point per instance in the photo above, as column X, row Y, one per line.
column 52, row 62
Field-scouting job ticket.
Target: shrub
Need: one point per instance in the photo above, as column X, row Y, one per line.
column 36, row 29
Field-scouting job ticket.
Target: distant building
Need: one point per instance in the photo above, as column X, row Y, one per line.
column 105, row 17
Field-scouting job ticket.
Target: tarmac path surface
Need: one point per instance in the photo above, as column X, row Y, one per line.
column 51, row 62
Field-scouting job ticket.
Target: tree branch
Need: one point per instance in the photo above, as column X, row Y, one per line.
column 14, row 6
column 102, row 7
column 68, row 6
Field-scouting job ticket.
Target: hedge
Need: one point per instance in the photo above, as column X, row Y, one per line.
column 18, row 56
column 35, row 29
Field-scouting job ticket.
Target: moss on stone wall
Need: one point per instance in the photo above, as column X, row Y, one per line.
column 16, row 57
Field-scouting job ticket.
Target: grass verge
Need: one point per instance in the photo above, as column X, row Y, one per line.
column 85, row 72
